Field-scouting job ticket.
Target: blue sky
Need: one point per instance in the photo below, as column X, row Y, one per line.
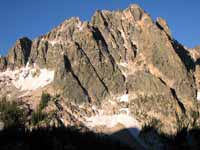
column 32, row 18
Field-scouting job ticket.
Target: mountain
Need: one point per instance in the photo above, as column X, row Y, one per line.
column 120, row 70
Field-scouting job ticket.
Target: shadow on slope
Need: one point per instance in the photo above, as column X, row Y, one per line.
column 185, row 139
column 69, row 138
column 184, row 55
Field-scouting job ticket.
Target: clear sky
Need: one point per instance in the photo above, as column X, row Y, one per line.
column 32, row 18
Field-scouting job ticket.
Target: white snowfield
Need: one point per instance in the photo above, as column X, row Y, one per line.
column 29, row 78
column 111, row 121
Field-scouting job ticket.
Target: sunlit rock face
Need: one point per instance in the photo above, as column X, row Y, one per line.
column 122, row 63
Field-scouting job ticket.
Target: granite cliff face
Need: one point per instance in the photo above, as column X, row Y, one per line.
column 122, row 62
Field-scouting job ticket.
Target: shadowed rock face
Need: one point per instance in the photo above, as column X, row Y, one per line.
column 18, row 55
column 3, row 63
column 118, row 52
column 162, row 24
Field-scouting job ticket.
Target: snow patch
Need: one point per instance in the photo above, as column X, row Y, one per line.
column 111, row 121
column 198, row 95
column 29, row 78
column 124, row 64
column 123, row 67
column 94, row 108
column 125, row 39
column 53, row 42
column 80, row 26
column 29, row 82
column 124, row 98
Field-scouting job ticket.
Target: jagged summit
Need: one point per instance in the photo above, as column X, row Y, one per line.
column 119, row 65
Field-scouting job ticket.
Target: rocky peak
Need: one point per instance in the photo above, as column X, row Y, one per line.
column 120, row 56
column 136, row 12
